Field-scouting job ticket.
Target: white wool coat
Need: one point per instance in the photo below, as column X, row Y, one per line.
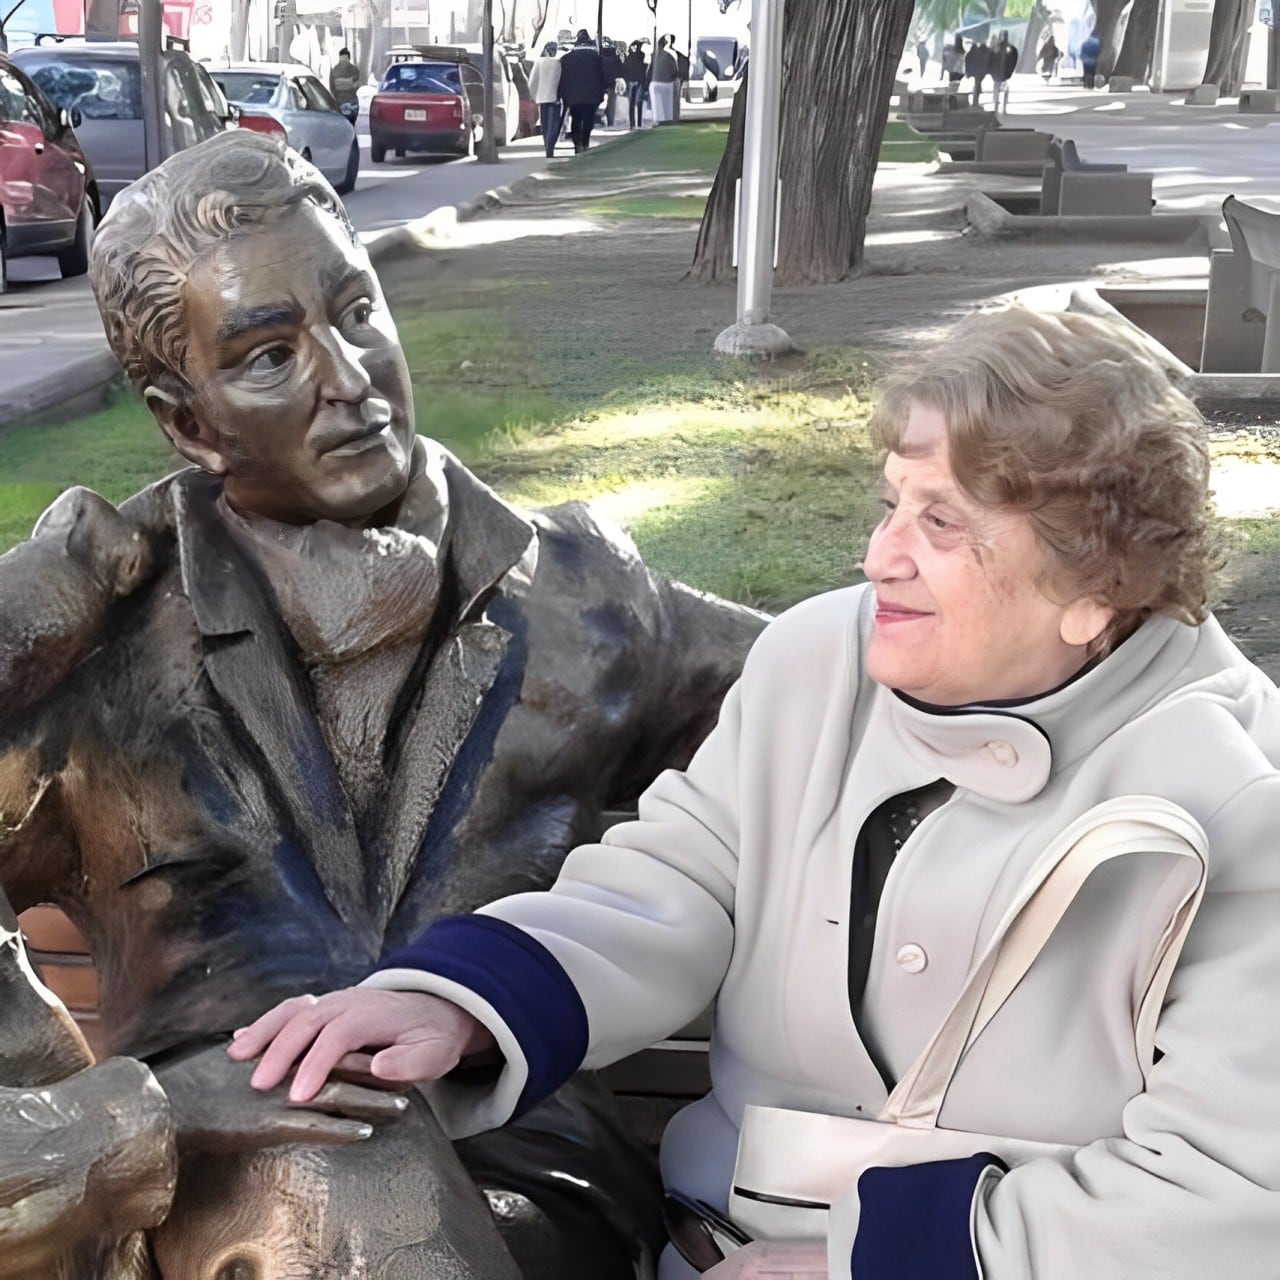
column 734, row 884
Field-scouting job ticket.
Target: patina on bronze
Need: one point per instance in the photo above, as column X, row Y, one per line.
column 264, row 722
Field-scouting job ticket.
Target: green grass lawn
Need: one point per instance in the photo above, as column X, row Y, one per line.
column 649, row 207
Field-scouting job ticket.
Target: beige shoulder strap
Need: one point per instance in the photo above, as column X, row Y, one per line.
column 1113, row 829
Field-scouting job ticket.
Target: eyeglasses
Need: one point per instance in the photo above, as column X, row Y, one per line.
column 702, row 1236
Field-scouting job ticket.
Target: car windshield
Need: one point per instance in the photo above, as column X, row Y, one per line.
column 422, row 77
column 254, row 87
column 101, row 90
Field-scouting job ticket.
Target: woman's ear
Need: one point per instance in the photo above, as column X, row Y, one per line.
column 186, row 433
column 1084, row 620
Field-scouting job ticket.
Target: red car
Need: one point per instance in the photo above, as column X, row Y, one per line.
column 48, row 198
column 421, row 106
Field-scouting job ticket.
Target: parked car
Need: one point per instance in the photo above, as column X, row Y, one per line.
column 102, row 81
column 294, row 96
column 423, row 106
column 48, row 196
column 506, row 99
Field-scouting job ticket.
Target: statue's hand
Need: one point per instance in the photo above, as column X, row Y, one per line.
column 215, row 1109
column 111, row 549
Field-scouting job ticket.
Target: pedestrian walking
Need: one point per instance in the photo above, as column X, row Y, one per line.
column 1090, row 52
column 1004, row 61
column 977, row 66
column 612, row 65
column 1048, row 58
column 662, row 78
column 682, row 77
column 953, row 61
column 922, row 52
column 582, row 88
column 544, row 85
column 635, row 71
column 344, row 78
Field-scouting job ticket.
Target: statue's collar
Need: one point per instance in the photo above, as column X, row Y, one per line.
column 485, row 540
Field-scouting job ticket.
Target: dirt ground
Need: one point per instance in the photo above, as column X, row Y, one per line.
column 583, row 291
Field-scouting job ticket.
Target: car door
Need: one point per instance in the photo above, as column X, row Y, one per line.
column 46, row 186
column 331, row 130
column 473, row 87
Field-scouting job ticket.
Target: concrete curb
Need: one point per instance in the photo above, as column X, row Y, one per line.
column 81, row 386
column 988, row 219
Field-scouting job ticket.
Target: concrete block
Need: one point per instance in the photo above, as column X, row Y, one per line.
column 1109, row 195
column 996, row 145
column 1203, row 95
column 1120, row 84
column 1232, row 344
column 1260, row 101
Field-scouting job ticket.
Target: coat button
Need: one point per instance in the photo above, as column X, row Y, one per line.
column 1003, row 753
column 912, row 957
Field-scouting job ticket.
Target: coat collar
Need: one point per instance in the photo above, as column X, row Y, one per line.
column 1009, row 753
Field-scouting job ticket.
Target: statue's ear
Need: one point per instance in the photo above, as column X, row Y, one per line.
column 201, row 446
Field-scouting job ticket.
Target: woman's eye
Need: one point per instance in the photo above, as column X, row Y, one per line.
column 270, row 360
column 937, row 522
column 888, row 506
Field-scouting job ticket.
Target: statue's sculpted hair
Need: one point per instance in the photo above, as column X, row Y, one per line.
column 159, row 228
column 1073, row 419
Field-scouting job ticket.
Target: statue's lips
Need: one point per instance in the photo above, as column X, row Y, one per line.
column 373, row 436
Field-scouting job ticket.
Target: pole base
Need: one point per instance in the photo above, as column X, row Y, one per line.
column 761, row 341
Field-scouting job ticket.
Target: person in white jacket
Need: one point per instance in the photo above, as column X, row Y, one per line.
column 544, row 85
column 865, row 867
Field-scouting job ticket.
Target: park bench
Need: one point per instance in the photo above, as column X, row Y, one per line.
column 1072, row 188
column 1203, row 95
column 1242, row 311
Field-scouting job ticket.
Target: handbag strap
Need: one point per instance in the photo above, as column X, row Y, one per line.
column 1116, row 828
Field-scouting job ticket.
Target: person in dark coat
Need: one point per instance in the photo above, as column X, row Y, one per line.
column 277, row 712
column 612, row 65
column 635, row 71
column 582, row 88
column 1004, row 61
column 1090, row 52
column 1048, row 58
column 977, row 66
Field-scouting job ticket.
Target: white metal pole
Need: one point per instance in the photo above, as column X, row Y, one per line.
column 753, row 334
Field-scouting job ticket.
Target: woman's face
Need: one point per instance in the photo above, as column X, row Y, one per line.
column 959, row 616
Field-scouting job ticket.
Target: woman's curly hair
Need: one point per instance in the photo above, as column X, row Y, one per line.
column 1073, row 420
column 161, row 226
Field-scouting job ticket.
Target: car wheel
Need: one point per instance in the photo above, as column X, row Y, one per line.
column 74, row 260
column 399, row 153
column 348, row 182
column 306, row 154
column 377, row 152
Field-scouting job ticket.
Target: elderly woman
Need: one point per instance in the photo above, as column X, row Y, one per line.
column 979, row 867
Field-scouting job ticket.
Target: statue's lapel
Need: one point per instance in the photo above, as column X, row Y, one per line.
column 248, row 661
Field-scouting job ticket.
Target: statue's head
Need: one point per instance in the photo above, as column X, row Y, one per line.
column 243, row 308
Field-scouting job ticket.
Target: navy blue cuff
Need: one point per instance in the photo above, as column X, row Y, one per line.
column 524, row 983
column 914, row 1221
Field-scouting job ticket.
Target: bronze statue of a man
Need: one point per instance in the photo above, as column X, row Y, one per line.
column 264, row 722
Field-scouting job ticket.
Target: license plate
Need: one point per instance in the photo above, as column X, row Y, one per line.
column 414, row 113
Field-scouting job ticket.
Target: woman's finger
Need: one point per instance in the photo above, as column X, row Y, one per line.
column 334, row 1040
column 291, row 1041
column 415, row 1063
column 248, row 1042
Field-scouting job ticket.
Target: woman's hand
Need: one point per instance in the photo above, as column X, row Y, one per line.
column 777, row 1259
column 417, row 1037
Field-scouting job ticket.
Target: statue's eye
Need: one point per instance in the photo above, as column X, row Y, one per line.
column 270, row 360
column 237, row 1269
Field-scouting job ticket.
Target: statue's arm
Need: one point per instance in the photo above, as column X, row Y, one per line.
column 58, row 587
column 82, row 1160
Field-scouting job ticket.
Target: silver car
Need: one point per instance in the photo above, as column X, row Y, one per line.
column 293, row 95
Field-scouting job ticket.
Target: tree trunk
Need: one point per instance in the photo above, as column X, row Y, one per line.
column 239, row 29
column 713, row 254
column 1139, row 41
column 1227, row 39
column 1107, row 15
column 839, row 61
column 1031, row 39
column 536, row 23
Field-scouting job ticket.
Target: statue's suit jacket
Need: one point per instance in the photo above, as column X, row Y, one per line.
column 173, row 792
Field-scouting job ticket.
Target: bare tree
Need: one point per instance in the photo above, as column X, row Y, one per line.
column 538, row 21
column 371, row 53
column 239, row 30
column 1107, row 14
column 1227, row 42
column 1139, row 44
column 839, row 61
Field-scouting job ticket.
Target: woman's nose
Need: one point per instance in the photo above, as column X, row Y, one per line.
column 343, row 376
column 888, row 556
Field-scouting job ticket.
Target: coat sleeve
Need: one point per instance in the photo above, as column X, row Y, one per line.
column 629, row 944
column 1191, row 1186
